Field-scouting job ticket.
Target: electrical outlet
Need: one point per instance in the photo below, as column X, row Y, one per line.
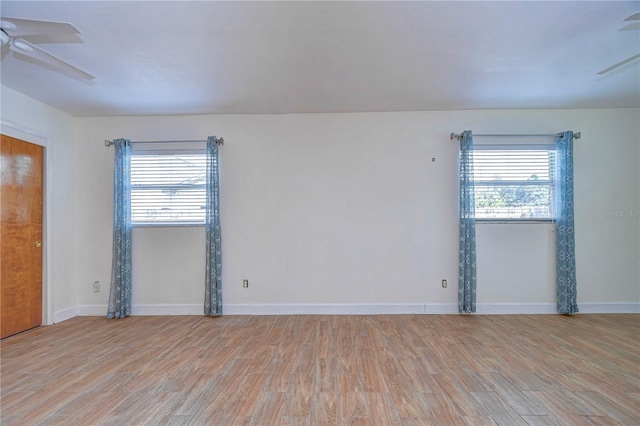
column 96, row 286
column 245, row 283
column 444, row 283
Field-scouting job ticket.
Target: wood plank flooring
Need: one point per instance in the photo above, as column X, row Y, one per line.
column 325, row 370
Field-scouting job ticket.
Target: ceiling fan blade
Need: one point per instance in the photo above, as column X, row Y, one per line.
column 23, row 47
column 17, row 27
column 631, row 26
column 634, row 17
column 619, row 64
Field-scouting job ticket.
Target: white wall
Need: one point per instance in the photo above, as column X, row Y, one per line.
column 338, row 208
column 350, row 208
column 38, row 123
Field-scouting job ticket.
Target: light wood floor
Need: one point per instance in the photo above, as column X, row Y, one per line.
column 323, row 370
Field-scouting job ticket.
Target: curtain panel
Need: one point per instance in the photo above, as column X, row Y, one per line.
column 566, row 289
column 467, row 259
column 213, row 269
column 120, row 291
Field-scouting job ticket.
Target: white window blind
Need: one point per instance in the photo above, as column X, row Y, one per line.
column 514, row 182
column 168, row 188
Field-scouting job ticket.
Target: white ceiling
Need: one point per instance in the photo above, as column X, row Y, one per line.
column 187, row 57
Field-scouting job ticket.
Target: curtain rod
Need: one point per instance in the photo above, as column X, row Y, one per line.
column 576, row 135
column 219, row 141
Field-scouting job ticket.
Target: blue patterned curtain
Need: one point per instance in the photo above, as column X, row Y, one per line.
column 120, row 291
column 213, row 279
column 467, row 267
column 565, row 236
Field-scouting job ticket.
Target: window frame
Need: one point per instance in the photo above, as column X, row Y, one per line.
column 143, row 149
column 514, row 145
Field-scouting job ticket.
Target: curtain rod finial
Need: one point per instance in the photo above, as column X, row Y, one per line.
column 220, row 141
column 454, row 136
column 576, row 135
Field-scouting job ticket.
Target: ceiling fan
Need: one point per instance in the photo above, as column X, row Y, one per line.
column 633, row 25
column 12, row 29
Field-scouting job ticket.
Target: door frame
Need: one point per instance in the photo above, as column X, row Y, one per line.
column 18, row 131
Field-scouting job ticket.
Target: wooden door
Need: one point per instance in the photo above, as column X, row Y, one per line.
column 20, row 235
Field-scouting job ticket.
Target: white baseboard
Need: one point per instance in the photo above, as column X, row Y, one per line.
column 515, row 308
column 440, row 308
column 350, row 309
column 419, row 308
column 167, row 309
column 65, row 314
column 550, row 308
column 142, row 310
column 609, row 308
column 283, row 309
column 322, row 308
column 92, row 310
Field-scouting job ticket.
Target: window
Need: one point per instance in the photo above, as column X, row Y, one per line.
column 168, row 188
column 514, row 182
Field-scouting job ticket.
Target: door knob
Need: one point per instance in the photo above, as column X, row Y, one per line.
column 38, row 244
